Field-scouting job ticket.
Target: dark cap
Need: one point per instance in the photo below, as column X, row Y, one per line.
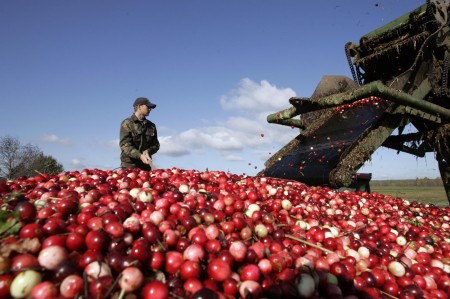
column 143, row 101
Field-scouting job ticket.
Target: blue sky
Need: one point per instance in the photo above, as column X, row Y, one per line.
column 70, row 71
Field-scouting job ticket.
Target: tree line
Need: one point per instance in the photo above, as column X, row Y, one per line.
column 418, row 182
column 17, row 159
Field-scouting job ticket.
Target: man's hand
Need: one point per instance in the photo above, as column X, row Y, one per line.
column 145, row 157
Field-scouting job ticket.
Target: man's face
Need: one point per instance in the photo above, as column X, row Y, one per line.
column 145, row 110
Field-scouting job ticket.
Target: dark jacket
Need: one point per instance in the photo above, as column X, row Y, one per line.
column 135, row 137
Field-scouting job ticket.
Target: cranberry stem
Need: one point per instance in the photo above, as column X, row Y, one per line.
column 313, row 245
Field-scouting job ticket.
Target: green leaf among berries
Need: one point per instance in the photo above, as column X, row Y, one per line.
column 9, row 223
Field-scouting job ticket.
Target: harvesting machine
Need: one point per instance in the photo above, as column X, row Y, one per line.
column 401, row 75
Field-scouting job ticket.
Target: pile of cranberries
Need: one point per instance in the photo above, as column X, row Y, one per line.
column 173, row 233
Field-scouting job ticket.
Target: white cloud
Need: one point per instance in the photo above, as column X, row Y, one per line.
column 247, row 125
column 172, row 146
column 77, row 164
column 51, row 138
column 246, row 130
column 253, row 97
column 219, row 138
column 233, row 158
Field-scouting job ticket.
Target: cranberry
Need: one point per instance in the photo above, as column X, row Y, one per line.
column 97, row 240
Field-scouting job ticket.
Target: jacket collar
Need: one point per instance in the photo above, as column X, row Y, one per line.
column 135, row 119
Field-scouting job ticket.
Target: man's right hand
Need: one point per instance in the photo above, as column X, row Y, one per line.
column 145, row 158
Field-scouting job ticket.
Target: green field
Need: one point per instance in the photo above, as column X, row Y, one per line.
column 424, row 194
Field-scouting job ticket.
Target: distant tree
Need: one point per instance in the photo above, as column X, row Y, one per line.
column 9, row 155
column 26, row 156
column 24, row 160
column 38, row 163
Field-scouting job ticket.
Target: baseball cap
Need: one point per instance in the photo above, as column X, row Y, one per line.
column 144, row 101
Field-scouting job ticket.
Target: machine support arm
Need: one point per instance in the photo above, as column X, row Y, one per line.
column 376, row 88
column 284, row 117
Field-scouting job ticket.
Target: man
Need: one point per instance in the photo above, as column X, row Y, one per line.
column 138, row 137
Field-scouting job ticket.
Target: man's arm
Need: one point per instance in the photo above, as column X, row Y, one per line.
column 126, row 141
column 155, row 146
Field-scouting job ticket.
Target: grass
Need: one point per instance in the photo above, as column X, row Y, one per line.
column 431, row 195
